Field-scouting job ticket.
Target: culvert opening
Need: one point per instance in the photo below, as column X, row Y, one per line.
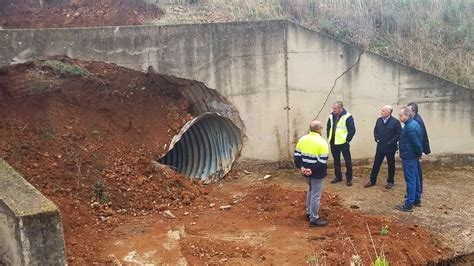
column 205, row 148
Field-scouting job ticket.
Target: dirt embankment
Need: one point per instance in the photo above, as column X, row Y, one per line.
column 88, row 132
column 76, row 14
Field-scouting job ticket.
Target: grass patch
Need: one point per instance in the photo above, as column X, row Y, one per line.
column 47, row 134
column 61, row 68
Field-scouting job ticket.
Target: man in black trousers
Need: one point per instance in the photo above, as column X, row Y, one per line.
column 386, row 133
column 340, row 131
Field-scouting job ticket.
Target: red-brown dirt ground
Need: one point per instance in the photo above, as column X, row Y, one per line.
column 68, row 125
column 78, row 13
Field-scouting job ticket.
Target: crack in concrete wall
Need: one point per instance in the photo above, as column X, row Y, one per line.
column 335, row 82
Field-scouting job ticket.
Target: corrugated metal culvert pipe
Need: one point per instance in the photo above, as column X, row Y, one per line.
column 205, row 148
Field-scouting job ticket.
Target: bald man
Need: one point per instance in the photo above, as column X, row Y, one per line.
column 387, row 131
column 311, row 156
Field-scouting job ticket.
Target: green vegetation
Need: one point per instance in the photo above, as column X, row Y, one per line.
column 384, row 230
column 381, row 261
column 435, row 36
column 312, row 260
column 99, row 191
column 62, row 68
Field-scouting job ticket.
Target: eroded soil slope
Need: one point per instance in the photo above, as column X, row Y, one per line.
column 76, row 14
column 88, row 132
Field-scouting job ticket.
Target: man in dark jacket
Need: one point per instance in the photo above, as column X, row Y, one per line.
column 386, row 133
column 340, row 131
column 426, row 141
column 411, row 150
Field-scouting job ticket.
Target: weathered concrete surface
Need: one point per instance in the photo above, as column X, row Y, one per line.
column 365, row 82
column 278, row 75
column 31, row 232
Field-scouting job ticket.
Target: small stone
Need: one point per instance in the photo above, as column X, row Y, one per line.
column 107, row 212
column 168, row 214
column 113, row 260
column 212, row 205
column 225, row 207
column 267, row 177
column 186, row 213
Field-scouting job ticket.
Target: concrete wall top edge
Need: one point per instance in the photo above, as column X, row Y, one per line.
column 229, row 23
column 20, row 196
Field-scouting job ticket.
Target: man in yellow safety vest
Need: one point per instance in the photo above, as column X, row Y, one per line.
column 311, row 156
column 340, row 131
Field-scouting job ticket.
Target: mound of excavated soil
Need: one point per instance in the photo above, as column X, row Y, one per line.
column 84, row 133
column 77, row 14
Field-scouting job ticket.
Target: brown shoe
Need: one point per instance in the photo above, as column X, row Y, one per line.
column 369, row 184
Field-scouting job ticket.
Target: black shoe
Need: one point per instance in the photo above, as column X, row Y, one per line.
column 336, row 180
column 417, row 203
column 307, row 217
column 369, row 184
column 349, row 183
column 389, row 186
column 318, row 223
column 403, row 208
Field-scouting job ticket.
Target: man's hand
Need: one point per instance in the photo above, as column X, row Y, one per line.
column 306, row 171
column 423, row 156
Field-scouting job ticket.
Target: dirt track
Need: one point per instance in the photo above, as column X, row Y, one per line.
column 448, row 205
column 265, row 225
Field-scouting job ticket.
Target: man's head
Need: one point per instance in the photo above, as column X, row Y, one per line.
column 405, row 113
column 337, row 107
column 414, row 107
column 386, row 111
column 315, row 126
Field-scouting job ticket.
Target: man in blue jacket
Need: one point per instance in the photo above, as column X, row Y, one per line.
column 426, row 141
column 340, row 131
column 387, row 130
column 411, row 150
column 311, row 156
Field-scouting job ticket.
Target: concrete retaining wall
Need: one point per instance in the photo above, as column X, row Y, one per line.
column 276, row 73
column 370, row 81
column 31, row 232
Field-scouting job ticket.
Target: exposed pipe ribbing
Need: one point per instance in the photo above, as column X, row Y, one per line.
column 205, row 148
